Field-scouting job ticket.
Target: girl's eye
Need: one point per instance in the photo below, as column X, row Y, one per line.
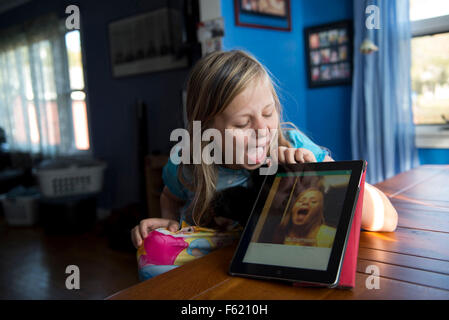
column 268, row 115
column 242, row 125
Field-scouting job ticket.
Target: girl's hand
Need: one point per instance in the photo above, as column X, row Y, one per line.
column 295, row 155
column 141, row 231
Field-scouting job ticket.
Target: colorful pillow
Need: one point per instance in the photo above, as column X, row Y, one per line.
column 163, row 250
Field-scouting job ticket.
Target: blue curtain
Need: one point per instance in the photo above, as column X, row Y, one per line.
column 382, row 129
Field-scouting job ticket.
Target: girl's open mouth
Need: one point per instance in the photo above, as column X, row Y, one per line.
column 301, row 215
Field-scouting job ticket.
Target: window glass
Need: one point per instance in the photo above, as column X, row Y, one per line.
column 430, row 78
column 425, row 9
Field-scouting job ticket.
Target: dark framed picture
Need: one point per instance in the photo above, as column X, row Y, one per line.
column 147, row 42
column 265, row 14
column 329, row 54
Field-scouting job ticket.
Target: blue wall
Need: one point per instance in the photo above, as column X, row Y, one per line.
column 328, row 108
column 280, row 51
column 434, row 156
column 322, row 113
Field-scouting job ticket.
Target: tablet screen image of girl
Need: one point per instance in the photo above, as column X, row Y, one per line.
column 304, row 223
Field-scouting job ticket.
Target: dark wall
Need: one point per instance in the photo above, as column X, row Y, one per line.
column 111, row 101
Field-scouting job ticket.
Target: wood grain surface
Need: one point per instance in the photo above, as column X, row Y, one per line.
column 413, row 261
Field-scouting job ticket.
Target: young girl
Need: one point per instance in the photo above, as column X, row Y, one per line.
column 304, row 225
column 232, row 90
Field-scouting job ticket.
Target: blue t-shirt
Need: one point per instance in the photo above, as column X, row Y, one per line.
column 300, row 140
column 232, row 178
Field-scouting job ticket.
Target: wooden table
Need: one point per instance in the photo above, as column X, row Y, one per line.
column 413, row 261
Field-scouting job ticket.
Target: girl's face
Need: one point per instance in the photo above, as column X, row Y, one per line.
column 307, row 207
column 252, row 111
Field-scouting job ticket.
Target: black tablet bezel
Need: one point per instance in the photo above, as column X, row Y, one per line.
column 328, row 277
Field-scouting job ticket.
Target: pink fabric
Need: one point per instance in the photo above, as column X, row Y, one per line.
column 162, row 249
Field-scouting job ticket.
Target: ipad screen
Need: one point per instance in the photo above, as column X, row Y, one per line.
column 299, row 219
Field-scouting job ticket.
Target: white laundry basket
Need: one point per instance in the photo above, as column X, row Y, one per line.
column 69, row 177
column 21, row 209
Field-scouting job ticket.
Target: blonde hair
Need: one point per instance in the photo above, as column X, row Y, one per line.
column 213, row 83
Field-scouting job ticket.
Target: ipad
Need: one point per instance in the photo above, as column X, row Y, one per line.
column 300, row 223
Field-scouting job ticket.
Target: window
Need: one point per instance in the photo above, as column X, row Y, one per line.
column 42, row 90
column 430, row 72
column 78, row 94
column 426, row 9
column 430, row 78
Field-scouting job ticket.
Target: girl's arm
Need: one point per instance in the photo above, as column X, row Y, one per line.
column 378, row 214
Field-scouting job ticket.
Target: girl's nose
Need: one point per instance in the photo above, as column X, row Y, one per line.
column 261, row 127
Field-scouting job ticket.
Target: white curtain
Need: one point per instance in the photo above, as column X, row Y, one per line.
column 35, row 102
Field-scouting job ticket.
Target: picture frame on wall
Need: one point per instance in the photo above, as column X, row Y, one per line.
column 263, row 14
column 329, row 54
column 148, row 42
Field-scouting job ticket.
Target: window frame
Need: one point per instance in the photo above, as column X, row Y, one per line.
column 89, row 152
column 431, row 136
